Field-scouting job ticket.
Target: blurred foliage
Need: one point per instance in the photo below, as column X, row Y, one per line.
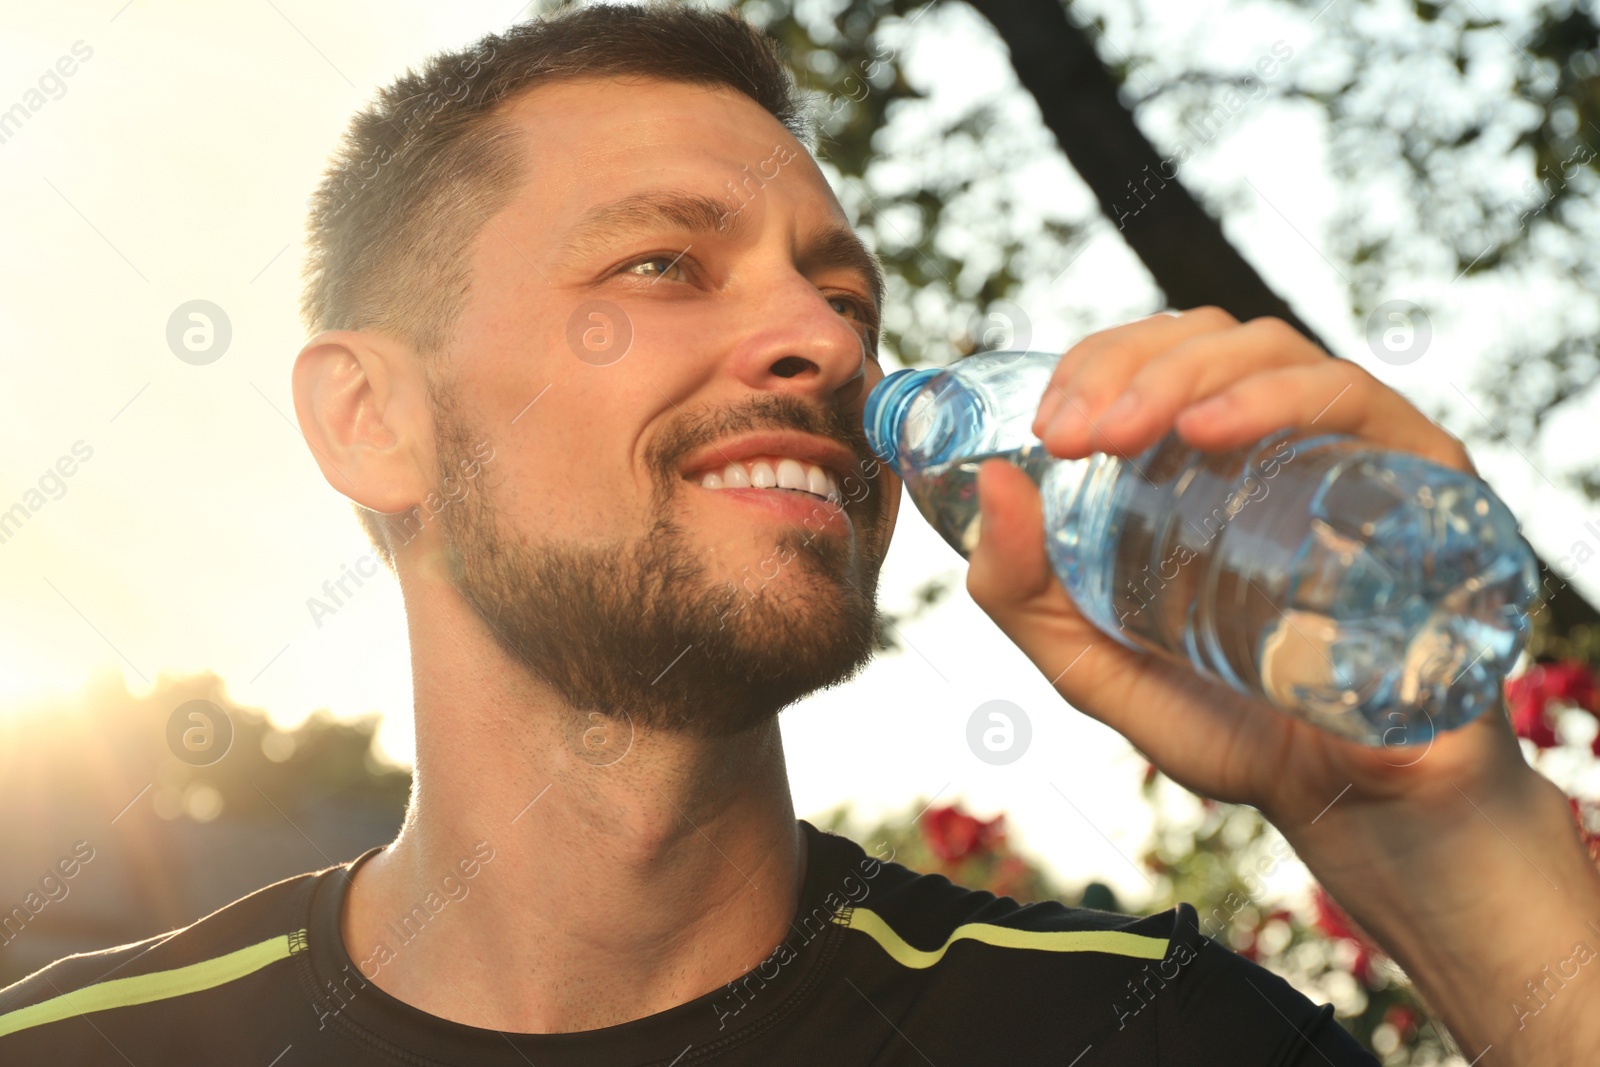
column 1463, row 141
column 967, row 850
column 924, row 598
column 1498, row 159
column 102, row 748
column 1548, row 641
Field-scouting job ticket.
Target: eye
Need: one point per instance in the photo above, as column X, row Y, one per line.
column 862, row 311
column 846, row 305
column 657, row 266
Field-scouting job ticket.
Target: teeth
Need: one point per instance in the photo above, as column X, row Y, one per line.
column 817, row 481
column 775, row 472
column 791, row 475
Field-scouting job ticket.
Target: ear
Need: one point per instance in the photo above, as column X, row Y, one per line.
column 361, row 400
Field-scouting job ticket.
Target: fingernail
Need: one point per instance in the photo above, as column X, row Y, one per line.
column 1068, row 422
column 1053, row 399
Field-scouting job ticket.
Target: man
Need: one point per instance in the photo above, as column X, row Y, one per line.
column 593, row 340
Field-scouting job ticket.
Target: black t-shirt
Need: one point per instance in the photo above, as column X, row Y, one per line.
column 881, row 966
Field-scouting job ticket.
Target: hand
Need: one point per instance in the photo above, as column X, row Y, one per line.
column 1221, row 384
column 1429, row 851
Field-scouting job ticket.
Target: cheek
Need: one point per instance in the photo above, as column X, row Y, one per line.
column 579, row 493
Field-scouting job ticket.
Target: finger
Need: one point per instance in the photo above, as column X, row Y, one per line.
column 1009, row 566
column 1095, row 370
column 1334, row 395
column 1055, row 394
column 1118, row 352
column 1192, row 371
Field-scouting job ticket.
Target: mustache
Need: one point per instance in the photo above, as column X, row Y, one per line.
column 771, row 411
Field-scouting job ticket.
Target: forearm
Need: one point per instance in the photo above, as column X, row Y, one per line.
column 1485, row 894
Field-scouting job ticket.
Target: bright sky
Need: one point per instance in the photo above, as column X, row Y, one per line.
column 173, row 165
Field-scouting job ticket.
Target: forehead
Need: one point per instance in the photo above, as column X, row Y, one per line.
column 594, row 139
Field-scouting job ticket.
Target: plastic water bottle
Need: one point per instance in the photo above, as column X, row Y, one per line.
column 1368, row 591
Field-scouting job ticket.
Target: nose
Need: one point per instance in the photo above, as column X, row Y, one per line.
column 801, row 345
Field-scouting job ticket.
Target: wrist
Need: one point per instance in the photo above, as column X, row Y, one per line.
column 1385, row 814
column 1477, row 888
column 1433, row 828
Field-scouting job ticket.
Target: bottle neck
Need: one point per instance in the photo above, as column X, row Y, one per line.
column 887, row 407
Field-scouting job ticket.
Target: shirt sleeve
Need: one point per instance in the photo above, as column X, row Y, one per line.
column 1230, row 1011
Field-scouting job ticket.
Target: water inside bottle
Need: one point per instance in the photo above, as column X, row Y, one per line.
column 947, row 493
column 1377, row 596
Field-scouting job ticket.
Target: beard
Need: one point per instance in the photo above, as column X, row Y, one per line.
column 637, row 630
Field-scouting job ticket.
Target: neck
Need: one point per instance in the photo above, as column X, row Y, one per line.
column 551, row 879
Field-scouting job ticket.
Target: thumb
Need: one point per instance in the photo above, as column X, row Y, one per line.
column 1009, row 567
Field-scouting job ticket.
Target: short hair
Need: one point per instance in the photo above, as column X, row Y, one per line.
column 423, row 166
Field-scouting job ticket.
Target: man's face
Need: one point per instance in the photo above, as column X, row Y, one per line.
column 658, row 344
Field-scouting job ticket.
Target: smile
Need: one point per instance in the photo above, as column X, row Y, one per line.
column 773, row 472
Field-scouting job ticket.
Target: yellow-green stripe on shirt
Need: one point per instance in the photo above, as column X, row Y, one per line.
column 158, row 985
column 1115, row 942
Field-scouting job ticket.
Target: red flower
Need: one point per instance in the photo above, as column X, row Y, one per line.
column 1526, row 699
column 1403, row 1019
column 953, row 835
column 1529, row 694
column 1572, row 682
column 1332, row 920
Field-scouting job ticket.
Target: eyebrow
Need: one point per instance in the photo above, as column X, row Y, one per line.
column 835, row 245
column 838, row 246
